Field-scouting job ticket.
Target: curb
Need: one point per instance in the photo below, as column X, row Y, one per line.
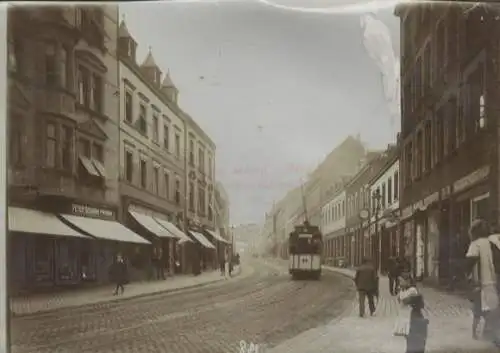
column 122, row 299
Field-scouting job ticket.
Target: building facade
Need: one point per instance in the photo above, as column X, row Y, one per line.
column 333, row 225
column 384, row 218
column 449, row 154
column 63, row 145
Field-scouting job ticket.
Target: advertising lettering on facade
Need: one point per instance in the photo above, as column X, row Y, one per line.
column 89, row 211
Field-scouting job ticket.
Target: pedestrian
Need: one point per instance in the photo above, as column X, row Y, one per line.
column 477, row 311
column 222, row 263
column 416, row 339
column 226, row 262
column 119, row 274
column 408, row 290
column 393, row 274
column 479, row 260
column 366, row 281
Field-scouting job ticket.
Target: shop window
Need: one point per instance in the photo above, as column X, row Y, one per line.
column 479, row 207
column 43, row 263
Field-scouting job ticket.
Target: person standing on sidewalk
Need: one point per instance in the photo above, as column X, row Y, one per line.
column 480, row 258
column 393, row 274
column 119, row 274
column 366, row 281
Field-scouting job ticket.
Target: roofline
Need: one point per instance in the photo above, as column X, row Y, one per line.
column 389, row 163
column 363, row 170
column 171, row 105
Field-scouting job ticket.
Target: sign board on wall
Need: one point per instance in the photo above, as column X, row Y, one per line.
column 89, row 211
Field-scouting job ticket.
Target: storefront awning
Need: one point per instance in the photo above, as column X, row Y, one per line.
column 104, row 229
column 151, row 225
column 202, row 240
column 218, row 237
column 24, row 220
column 174, row 230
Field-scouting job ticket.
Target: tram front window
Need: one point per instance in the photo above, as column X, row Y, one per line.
column 305, row 246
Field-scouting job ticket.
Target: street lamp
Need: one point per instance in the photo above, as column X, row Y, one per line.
column 376, row 247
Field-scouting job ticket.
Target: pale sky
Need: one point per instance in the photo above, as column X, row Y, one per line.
column 275, row 89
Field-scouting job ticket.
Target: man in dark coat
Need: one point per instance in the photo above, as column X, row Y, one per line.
column 366, row 281
column 393, row 274
column 119, row 274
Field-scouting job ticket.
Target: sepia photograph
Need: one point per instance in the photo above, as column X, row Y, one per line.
column 250, row 176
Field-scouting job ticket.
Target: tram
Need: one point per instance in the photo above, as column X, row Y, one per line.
column 305, row 247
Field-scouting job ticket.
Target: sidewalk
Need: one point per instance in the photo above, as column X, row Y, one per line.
column 41, row 303
column 449, row 328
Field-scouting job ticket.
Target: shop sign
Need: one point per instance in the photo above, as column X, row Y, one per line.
column 88, row 211
column 471, row 179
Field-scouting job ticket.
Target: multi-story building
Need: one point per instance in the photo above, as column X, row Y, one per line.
column 333, row 223
column 357, row 240
column 449, row 154
column 155, row 168
column 64, row 159
column 384, row 209
column 222, row 207
column 341, row 162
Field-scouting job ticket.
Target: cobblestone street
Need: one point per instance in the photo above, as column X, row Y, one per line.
column 449, row 330
column 261, row 308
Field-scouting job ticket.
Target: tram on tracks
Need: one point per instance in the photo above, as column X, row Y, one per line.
column 305, row 248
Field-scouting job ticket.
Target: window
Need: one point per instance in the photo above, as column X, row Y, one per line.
column 396, row 186
column 177, row 145
column 191, row 196
column 51, row 145
column 210, row 175
column 191, row 152
column 128, row 106
column 383, row 196
column 166, row 181
column 97, row 93
column 408, row 171
column 142, row 119
column 64, row 68
column 129, row 166
column 84, row 147
column 418, row 154
column 14, row 55
column 427, row 68
column 476, row 103
column 156, row 128
column 461, row 118
column 166, row 137
column 51, row 65
column 389, row 191
column 201, row 201
column 66, row 148
column 83, row 86
column 201, row 160
column 156, row 179
column 144, row 174
column 98, row 152
column 16, row 139
column 177, row 192
column 480, row 207
column 439, row 137
column 427, row 146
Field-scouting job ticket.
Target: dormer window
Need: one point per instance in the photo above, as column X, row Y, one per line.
column 130, row 49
